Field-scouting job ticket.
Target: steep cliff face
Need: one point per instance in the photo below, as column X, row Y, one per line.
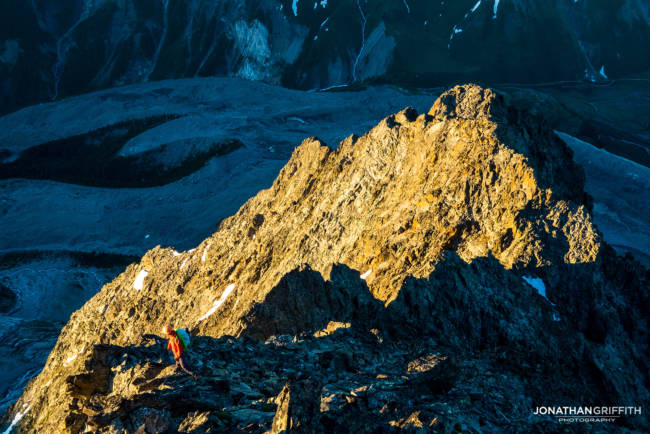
column 438, row 258
column 51, row 50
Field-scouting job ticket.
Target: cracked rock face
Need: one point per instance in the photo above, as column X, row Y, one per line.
column 440, row 258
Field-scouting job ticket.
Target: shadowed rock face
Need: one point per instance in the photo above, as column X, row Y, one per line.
column 439, row 234
column 51, row 50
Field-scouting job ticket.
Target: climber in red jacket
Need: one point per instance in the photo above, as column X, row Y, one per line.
column 176, row 345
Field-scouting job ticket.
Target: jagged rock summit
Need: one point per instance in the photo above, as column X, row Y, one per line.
column 452, row 250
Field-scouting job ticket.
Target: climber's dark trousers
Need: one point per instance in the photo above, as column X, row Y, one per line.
column 180, row 363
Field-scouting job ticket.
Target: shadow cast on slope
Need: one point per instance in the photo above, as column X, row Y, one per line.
column 579, row 349
column 93, row 158
column 511, row 349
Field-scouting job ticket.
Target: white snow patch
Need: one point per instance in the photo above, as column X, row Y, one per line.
column 294, row 6
column 138, row 283
column 219, row 302
column 205, row 253
column 73, row 357
column 175, row 253
column 538, row 284
column 556, row 317
column 146, row 236
column 323, row 3
column 478, row 3
column 454, row 32
column 496, row 8
column 408, row 9
column 365, row 275
column 184, row 263
column 324, row 22
column 602, row 72
column 17, row 419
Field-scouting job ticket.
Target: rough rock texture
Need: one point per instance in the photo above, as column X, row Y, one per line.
column 440, row 270
column 66, row 228
column 298, row 407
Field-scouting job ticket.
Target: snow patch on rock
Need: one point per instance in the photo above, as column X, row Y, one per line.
column 602, row 72
column 536, row 283
column 219, row 302
column 138, row 283
column 17, row 419
column 205, row 253
column 74, row 356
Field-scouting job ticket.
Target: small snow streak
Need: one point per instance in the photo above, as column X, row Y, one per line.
column 496, row 8
column 72, row 358
column 17, row 419
column 219, row 302
column 408, row 9
column 454, row 32
column 138, row 283
column 478, row 3
column 602, row 72
column 538, row 284
column 205, row 253
column 294, row 6
column 365, row 275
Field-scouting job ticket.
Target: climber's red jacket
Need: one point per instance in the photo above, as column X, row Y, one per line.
column 176, row 346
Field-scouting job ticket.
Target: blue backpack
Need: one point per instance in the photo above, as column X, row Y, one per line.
column 184, row 336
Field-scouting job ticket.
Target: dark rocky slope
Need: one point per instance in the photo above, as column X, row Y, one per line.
column 382, row 286
column 50, row 50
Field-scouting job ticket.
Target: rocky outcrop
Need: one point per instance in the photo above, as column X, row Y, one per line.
column 440, row 271
column 298, row 408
